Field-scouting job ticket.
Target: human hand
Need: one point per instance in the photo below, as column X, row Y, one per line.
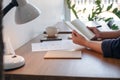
column 78, row 39
column 95, row 31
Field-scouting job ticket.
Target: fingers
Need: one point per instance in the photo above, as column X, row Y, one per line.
column 92, row 28
column 95, row 31
column 75, row 33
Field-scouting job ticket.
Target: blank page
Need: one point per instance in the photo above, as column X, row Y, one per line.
column 63, row 55
column 83, row 29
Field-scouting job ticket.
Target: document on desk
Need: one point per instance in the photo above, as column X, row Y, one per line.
column 55, row 45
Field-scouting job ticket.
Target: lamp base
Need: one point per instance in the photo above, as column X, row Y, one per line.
column 13, row 62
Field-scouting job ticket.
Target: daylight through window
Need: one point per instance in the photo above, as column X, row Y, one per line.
column 88, row 5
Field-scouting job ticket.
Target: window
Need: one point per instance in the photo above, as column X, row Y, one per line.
column 84, row 7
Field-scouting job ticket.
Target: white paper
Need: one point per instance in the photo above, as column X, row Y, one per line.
column 55, row 45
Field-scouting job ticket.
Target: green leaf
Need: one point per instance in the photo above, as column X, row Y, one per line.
column 98, row 2
column 115, row 10
column 73, row 6
column 108, row 19
column 89, row 18
column 118, row 14
column 114, row 27
column 93, row 14
column 69, row 4
column 75, row 13
column 109, row 7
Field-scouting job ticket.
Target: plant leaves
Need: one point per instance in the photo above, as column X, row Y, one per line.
column 108, row 19
column 73, row 6
column 69, row 4
column 114, row 27
column 115, row 10
column 109, row 7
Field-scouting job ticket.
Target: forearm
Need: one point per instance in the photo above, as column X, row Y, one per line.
column 110, row 35
column 94, row 45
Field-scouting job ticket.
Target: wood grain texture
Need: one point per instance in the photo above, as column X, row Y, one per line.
column 92, row 66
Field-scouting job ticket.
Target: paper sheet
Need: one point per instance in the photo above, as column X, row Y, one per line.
column 55, row 45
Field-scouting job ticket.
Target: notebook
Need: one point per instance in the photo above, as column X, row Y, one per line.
column 63, row 55
column 81, row 28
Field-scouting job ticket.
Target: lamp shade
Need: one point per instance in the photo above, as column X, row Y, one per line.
column 25, row 12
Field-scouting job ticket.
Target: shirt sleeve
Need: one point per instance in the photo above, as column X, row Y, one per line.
column 111, row 48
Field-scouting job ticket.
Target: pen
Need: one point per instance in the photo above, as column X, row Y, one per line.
column 98, row 26
column 50, row 39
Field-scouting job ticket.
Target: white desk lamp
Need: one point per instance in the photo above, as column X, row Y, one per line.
column 25, row 12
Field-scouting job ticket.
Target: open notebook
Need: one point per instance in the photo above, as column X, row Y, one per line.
column 63, row 54
column 81, row 28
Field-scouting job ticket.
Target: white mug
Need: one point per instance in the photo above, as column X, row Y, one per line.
column 51, row 31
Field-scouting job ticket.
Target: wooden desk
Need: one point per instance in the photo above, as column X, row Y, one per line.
column 92, row 66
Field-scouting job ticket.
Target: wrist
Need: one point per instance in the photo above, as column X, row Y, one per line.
column 86, row 43
column 99, row 36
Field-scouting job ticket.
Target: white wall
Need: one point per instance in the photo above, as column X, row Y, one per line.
column 52, row 12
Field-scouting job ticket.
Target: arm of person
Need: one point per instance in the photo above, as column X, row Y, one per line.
column 111, row 48
column 105, row 35
column 110, row 35
column 79, row 39
column 108, row 47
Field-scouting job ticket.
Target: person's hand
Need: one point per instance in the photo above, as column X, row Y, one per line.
column 78, row 39
column 95, row 31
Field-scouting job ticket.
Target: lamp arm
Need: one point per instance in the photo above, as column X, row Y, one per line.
column 9, row 7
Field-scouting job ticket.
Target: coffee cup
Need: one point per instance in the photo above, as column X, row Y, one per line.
column 51, row 32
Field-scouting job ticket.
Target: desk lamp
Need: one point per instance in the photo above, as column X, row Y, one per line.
column 25, row 12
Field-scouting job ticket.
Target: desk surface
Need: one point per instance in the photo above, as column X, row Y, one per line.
column 92, row 66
